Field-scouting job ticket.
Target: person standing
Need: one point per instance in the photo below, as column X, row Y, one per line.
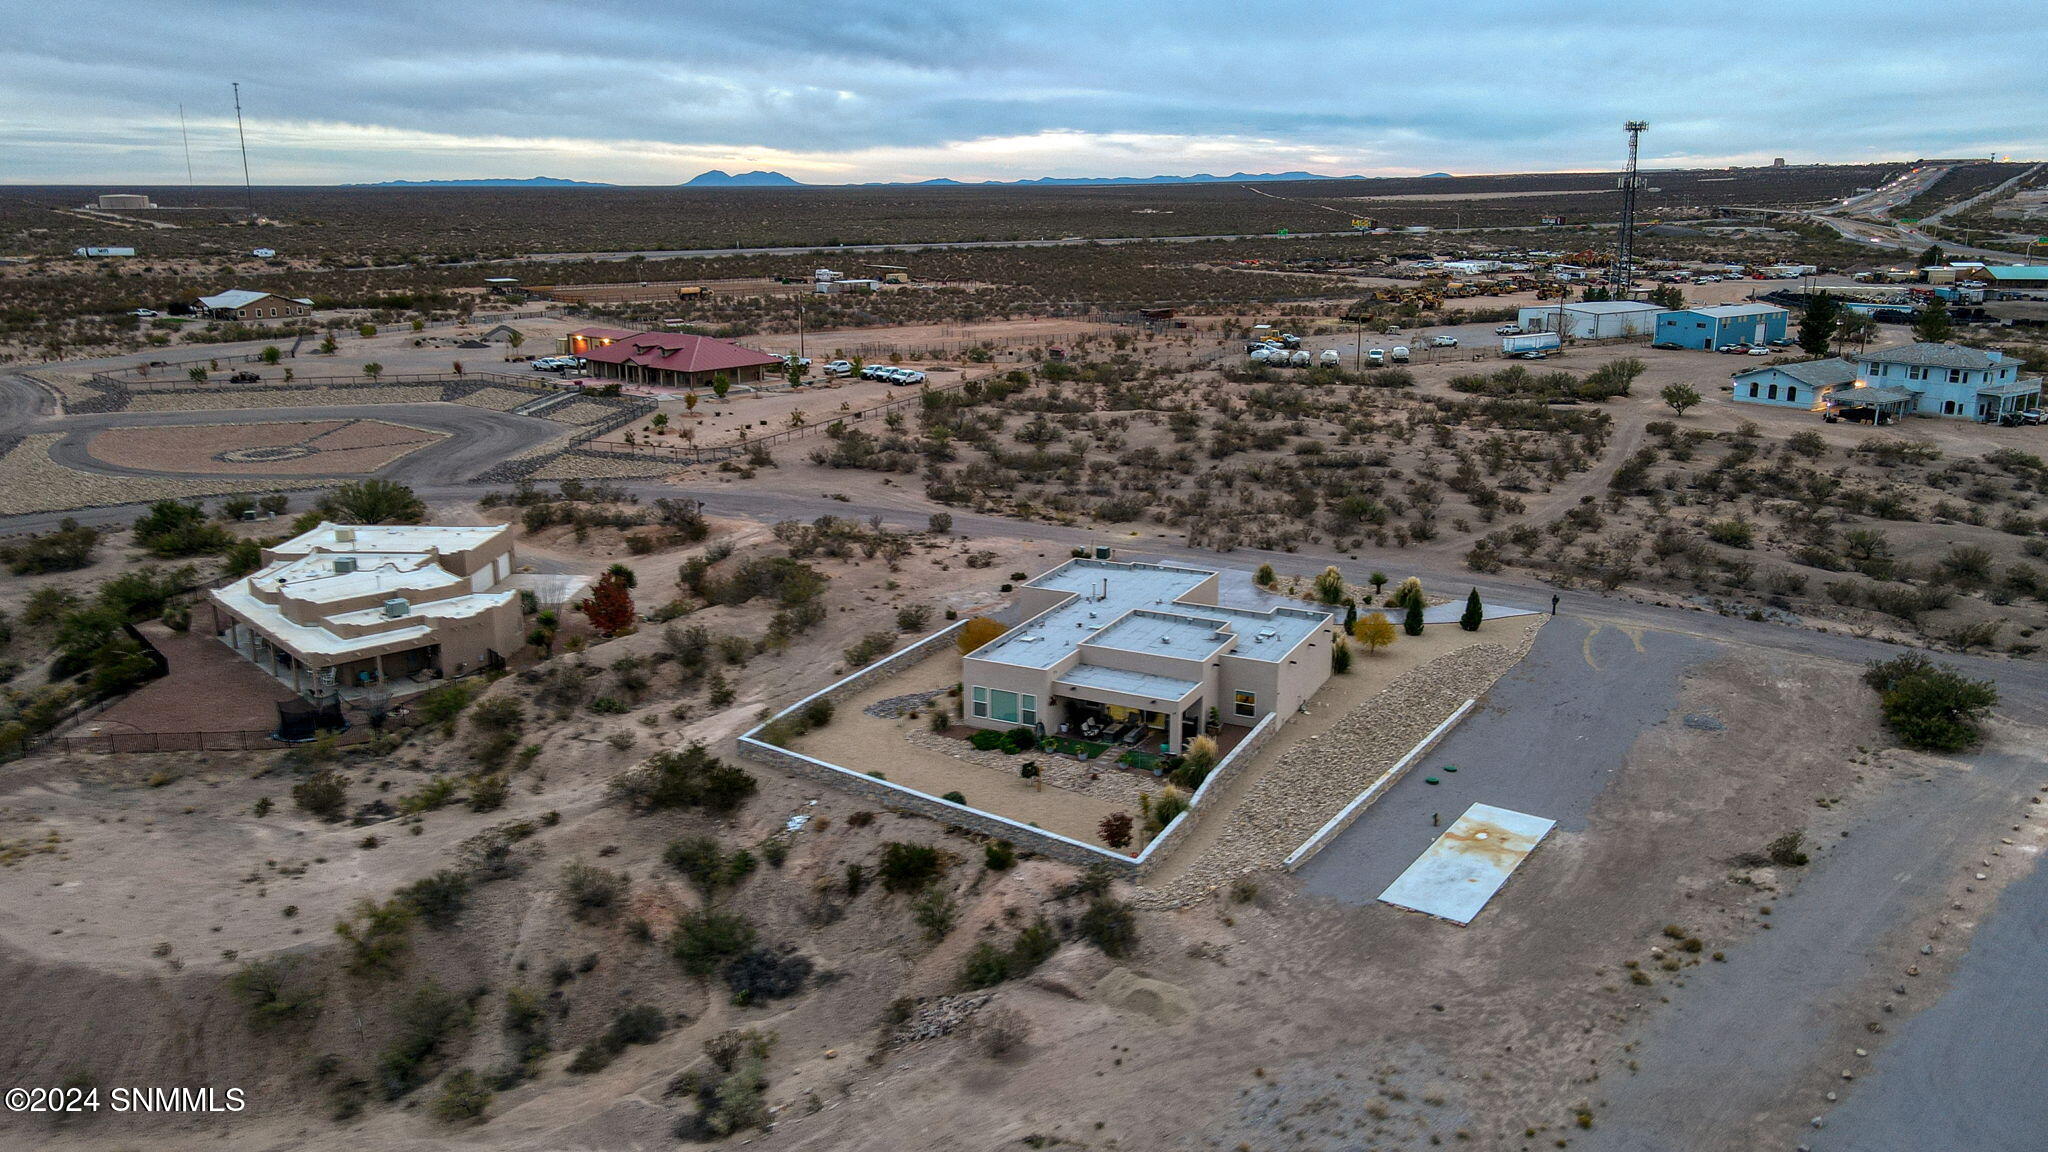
column 1553, row 603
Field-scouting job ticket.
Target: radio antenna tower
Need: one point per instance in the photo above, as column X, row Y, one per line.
column 1624, row 274
column 251, row 188
column 188, row 146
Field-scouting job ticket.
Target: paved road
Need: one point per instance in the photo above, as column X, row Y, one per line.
column 1731, row 1046
column 1967, row 1073
column 1583, row 695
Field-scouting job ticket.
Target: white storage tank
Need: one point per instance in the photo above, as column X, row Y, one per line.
column 1331, row 358
column 1299, row 359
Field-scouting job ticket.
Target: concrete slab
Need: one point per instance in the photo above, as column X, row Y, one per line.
column 1459, row 873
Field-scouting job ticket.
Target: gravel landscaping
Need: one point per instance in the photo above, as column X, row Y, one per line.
column 1118, row 786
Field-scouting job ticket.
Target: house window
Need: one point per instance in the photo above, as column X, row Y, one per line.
column 1002, row 706
column 1244, row 703
column 1955, row 375
column 1948, row 407
column 1916, row 373
column 1791, row 392
column 1752, row 389
column 1772, row 394
column 1027, row 710
column 980, row 702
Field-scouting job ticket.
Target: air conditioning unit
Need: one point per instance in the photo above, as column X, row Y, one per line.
column 343, row 565
column 397, row 606
column 344, row 535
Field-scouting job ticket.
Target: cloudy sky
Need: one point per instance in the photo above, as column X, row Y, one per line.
column 838, row 92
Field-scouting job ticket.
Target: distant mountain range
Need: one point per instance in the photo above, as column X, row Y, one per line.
column 529, row 182
column 760, row 179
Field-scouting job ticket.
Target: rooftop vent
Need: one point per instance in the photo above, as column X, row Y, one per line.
column 343, row 565
column 396, row 607
column 344, row 535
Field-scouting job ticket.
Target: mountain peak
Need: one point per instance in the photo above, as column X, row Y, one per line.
column 719, row 178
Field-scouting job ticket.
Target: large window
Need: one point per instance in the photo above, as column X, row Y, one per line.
column 1244, row 703
column 1006, row 707
column 1002, row 706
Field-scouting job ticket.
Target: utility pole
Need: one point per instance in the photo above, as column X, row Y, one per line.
column 188, row 147
column 247, row 186
column 800, row 327
column 1631, row 184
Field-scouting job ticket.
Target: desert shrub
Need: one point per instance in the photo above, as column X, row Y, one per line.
column 441, row 704
column 373, row 501
column 1109, row 924
column 730, row 1090
column 592, row 893
column 432, row 796
column 264, row 988
column 759, row 974
column 913, row 617
column 870, row 647
column 999, row 855
column 1785, row 851
column 707, row 938
column 426, row 1018
column 692, row 778
column 1167, row 804
column 639, row 1024
column 1735, row 533
column 1001, row 1032
column 987, row 965
column 934, row 912
column 323, row 794
column 909, row 867
column 986, row 740
column 705, row 863
column 171, row 528
column 488, row 792
column 377, row 935
column 1930, row 706
column 438, row 900
column 67, row 549
column 464, row 1097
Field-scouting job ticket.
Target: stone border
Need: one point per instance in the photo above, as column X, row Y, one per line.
column 1352, row 811
column 1048, row 844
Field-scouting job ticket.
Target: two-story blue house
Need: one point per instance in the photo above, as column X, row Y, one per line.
column 1946, row 380
column 1711, row 326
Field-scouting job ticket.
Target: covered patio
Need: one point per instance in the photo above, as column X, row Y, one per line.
column 1139, row 710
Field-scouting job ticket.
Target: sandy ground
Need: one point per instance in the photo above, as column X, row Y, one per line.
column 714, row 422
column 311, row 448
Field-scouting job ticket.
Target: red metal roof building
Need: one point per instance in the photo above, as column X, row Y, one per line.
column 674, row 360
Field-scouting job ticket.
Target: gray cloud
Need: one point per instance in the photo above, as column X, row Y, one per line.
column 888, row 89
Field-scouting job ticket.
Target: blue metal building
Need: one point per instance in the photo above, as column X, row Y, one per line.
column 1713, row 325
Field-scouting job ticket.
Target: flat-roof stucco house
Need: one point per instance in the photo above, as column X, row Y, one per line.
column 1119, row 647
column 343, row 607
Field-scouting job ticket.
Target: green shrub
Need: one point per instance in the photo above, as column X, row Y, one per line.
column 592, row 893
column 986, row 740
column 377, row 935
column 909, row 867
column 987, row 965
column 1930, row 706
column 1111, row 925
column 934, row 912
column 730, row 1094
column 707, row 938
column 707, row 865
column 323, row 794
column 426, row 1018
column 67, row 549
column 639, row 1024
column 463, row 1098
column 437, row 899
column 692, row 778
column 263, row 987
column 999, row 855
column 870, row 647
column 759, row 974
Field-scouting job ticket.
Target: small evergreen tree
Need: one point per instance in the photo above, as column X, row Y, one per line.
column 1933, row 326
column 1817, row 325
column 1413, row 624
column 1474, row 614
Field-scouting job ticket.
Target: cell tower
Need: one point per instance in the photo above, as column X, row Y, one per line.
column 251, row 188
column 1624, row 273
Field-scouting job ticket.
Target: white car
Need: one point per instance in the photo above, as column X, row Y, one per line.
column 1759, row 350
column 1443, row 341
column 145, row 313
column 839, row 368
column 1509, row 330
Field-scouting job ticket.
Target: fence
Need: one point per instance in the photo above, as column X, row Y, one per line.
column 111, row 743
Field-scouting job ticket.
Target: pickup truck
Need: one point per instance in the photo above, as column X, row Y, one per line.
column 1443, row 341
column 1508, row 330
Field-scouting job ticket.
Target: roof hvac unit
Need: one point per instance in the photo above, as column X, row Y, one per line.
column 343, row 565
column 344, row 535
column 396, row 607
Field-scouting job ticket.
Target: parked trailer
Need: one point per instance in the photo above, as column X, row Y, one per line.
column 1533, row 342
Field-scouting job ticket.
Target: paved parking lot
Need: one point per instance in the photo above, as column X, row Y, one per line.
column 1545, row 741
